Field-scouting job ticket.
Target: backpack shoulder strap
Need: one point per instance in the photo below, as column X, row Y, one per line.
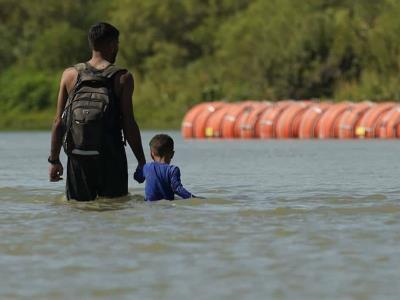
column 111, row 70
column 80, row 67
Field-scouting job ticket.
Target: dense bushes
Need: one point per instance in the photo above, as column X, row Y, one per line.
column 27, row 91
column 183, row 52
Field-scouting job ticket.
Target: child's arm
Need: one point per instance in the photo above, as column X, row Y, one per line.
column 177, row 186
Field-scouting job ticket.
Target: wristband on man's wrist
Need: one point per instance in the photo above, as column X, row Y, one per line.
column 54, row 161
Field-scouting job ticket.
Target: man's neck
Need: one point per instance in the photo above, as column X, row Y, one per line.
column 98, row 61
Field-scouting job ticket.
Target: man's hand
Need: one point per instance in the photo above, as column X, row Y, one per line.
column 55, row 172
column 138, row 175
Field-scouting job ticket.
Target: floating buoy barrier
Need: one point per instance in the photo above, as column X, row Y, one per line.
column 233, row 117
column 390, row 125
column 291, row 119
column 309, row 124
column 369, row 124
column 269, row 119
column 250, row 128
column 328, row 124
column 350, row 119
column 202, row 117
column 287, row 125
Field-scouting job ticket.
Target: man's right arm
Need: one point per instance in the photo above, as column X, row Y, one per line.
column 67, row 80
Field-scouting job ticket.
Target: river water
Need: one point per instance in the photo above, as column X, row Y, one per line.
column 282, row 220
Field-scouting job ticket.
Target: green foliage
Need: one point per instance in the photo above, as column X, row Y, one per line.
column 186, row 51
column 27, row 90
column 65, row 44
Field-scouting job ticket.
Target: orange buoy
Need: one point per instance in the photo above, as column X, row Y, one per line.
column 328, row 124
column 390, row 122
column 213, row 127
column 230, row 118
column 287, row 126
column 190, row 117
column 250, row 129
column 199, row 125
column 368, row 127
column 308, row 127
column 242, row 119
column 393, row 124
column 268, row 119
column 350, row 119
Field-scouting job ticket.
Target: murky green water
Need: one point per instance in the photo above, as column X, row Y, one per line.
column 283, row 220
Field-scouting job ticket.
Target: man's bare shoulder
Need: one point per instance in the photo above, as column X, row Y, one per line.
column 69, row 74
column 123, row 80
column 69, row 77
column 126, row 77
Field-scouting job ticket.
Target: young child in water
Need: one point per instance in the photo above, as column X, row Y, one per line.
column 162, row 179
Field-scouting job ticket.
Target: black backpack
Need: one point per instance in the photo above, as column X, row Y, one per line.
column 86, row 117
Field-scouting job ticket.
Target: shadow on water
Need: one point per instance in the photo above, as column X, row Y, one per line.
column 134, row 200
column 105, row 204
column 29, row 196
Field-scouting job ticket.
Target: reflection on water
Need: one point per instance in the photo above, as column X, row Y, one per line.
column 281, row 220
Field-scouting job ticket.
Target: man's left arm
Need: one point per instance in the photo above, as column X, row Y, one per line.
column 130, row 127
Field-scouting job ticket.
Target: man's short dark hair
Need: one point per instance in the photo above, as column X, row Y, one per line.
column 100, row 34
column 161, row 144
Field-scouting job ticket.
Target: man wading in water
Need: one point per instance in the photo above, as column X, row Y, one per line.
column 94, row 106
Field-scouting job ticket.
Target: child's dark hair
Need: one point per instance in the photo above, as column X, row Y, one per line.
column 161, row 144
column 100, row 34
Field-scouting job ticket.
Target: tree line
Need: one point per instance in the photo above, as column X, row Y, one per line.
column 183, row 52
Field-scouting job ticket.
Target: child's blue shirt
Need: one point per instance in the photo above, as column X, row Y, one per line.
column 163, row 181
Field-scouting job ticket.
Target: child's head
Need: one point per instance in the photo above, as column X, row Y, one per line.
column 162, row 148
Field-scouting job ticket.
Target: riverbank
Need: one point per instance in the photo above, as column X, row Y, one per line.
column 15, row 121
